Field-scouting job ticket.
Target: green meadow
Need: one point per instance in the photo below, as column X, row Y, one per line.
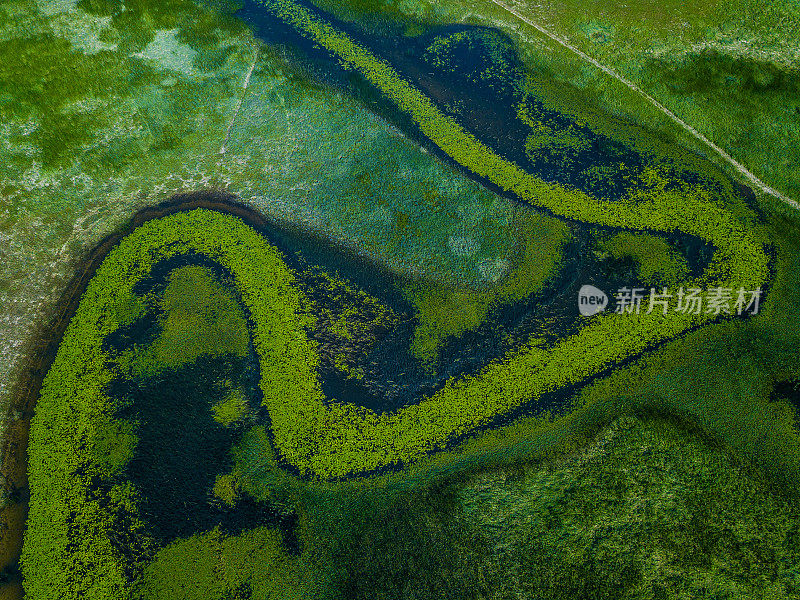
column 726, row 67
column 358, row 369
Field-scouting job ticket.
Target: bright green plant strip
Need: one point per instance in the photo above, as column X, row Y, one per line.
column 68, row 550
column 685, row 55
column 323, row 439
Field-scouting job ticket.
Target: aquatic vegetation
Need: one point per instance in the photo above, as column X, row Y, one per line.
column 463, row 405
column 444, row 311
column 722, row 377
column 496, row 68
column 199, row 318
column 349, row 322
column 546, row 143
column 79, row 155
column 658, row 264
column 331, row 439
column 74, row 427
column 690, row 377
column 213, row 566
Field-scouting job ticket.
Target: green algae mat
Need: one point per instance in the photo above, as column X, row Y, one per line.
column 487, row 369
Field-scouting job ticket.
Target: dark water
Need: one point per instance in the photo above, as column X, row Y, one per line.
column 487, row 107
column 484, row 105
column 181, row 449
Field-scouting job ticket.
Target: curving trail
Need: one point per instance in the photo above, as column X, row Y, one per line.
column 683, row 124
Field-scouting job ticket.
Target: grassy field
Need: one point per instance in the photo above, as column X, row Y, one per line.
column 106, row 111
column 645, row 508
column 728, row 68
column 672, row 475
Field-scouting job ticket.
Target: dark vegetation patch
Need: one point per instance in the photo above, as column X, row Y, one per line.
column 181, row 448
column 717, row 73
column 650, row 508
column 789, row 391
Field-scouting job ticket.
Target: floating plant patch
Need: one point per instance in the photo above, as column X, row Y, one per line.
column 78, row 441
column 206, row 355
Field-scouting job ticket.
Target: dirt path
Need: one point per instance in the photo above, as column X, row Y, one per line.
column 727, row 157
column 245, row 85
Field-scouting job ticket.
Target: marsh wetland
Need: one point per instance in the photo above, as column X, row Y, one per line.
column 314, row 330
